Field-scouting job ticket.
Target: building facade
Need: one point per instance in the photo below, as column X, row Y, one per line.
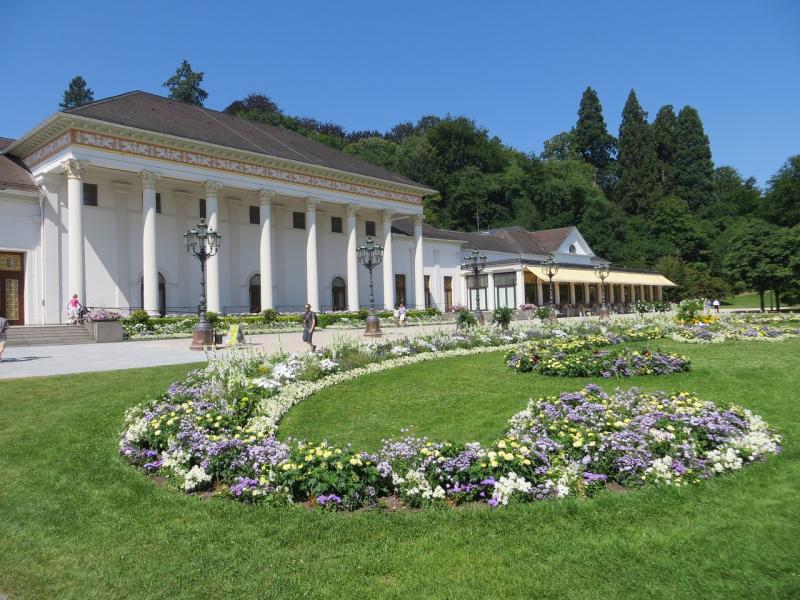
column 94, row 201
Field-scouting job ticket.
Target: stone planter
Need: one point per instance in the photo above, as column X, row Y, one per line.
column 105, row 331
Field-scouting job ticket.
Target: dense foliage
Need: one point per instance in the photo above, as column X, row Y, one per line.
column 77, row 94
column 650, row 199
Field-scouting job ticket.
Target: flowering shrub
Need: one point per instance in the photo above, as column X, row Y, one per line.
column 100, row 314
column 215, row 430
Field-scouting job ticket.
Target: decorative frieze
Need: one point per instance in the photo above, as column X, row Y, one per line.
column 112, row 143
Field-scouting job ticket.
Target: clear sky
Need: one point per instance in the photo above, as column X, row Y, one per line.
column 517, row 68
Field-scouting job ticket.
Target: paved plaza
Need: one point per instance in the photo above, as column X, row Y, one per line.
column 33, row 361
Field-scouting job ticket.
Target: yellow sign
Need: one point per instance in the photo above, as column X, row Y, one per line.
column 233, row 335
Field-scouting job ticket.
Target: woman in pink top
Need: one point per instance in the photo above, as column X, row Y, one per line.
column 73, row 309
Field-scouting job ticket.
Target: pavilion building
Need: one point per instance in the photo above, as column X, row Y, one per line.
column 95, row 200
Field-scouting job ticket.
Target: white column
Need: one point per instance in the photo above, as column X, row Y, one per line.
column 212, row 266
column 74, row 171
column 352, row 260
column 491, row 297
column 539, row 292
column 572, row 293
column 557, row 292
column 149, row 252
column 586, row 295
column 610, row 287
column 419, row 264
column 312, row 276
column 388, row 265
column 659, row 293
column 520, row 292
column 265, row 248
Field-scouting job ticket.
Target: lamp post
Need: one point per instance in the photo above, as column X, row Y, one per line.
column 475, row 263
column 550, row 269
column 203, row 243
column 370, row 255
column 601, row 271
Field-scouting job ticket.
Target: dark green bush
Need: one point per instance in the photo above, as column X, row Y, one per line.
column 269, row 316
column 465, row 319
column 502, row 316
column 139, row 317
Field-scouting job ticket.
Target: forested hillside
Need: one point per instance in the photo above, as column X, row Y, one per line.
column 649, row 197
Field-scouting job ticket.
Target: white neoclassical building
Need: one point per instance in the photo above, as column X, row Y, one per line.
column 95, row 200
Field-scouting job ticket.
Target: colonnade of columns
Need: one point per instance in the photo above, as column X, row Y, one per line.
column 75, row 171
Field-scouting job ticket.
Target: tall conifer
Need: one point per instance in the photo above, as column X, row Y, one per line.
column 591, row 140
column 664, row 138
column 638, row 186
column 77, row 94
column 694, row 170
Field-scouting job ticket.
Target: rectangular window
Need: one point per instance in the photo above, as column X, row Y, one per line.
column 505, row 287
column 448, row 293
column 89, row 194
column 299, row 220
column 428, row 299
column 158, row 203
column 399, row 288
column 369, row 227
column 255, row 215
column 478, row 291
column 336, row 225
column 202, row 204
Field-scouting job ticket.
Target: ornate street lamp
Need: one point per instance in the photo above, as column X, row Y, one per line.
column 370, row 255
column 202, row 242
column 601, row 271
column 475, row 263
column 550, row 269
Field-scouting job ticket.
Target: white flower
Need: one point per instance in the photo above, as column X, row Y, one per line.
column 194, row 477
column 506, row 486
column 266, row 383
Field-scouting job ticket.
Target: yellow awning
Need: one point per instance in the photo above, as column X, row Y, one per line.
column 574, row 275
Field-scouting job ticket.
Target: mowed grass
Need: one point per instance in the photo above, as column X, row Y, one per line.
column 752, row 301
column 77, row 522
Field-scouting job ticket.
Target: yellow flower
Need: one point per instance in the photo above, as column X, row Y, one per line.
column 355, row 461
column 501, row 444
column 577, row 443
column 286, row 466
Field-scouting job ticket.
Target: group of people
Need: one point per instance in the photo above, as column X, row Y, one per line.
column 714, row 305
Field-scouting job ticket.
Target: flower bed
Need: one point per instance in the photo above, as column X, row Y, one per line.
column 598, row 363
column 216, row 429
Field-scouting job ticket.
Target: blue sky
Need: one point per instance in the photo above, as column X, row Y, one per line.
column 517, row 68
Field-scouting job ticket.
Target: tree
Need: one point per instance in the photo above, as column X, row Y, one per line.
column 590, row 136
column 675, row 228
column 559, row 147
column 184, row 86
column 77, row 94
column 253, row 102
column 694, row 170
column 376, row 150
column 782, row 201
column 751, row 261
column 638, row 186
column 664, row 139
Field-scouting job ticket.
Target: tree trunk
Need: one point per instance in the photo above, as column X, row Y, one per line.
column 761, row 298
column 777, row 293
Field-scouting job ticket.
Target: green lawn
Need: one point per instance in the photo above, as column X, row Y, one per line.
column 751, row 301
column 77, row 522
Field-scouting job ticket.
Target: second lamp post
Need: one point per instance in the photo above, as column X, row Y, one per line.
column 370, row 255
column 550, row 269
column 601, row 271
column 203, row 243
column 476, row 262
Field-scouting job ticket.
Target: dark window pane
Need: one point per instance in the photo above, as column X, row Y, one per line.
column 255, row 215
column 336, row 224
column 158, row 203
column 505, row 279
column 370, row 228
column 399, row 289
column 89, row 194
column 299, row 220
column 202, row 208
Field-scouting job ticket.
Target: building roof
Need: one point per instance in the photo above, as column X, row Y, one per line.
column 13, row 175
column 514, row 240
column 163, row 115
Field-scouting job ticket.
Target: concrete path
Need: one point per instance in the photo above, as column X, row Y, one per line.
column 33, row 361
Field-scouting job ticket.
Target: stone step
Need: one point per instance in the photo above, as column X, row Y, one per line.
column 48, row 335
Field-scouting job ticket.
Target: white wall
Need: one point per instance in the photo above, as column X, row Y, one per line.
column 20, row 227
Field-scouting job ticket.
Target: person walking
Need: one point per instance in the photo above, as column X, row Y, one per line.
column 3, row 329
column 716, row 306
column 309, row 325
column 74, row 309
column 402, row 314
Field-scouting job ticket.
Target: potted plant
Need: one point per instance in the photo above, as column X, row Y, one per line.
column 105, row 325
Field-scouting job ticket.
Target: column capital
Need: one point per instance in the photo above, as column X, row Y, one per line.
column 265, row 197
column 212, row 188
column 74, row 169
column 149, row 179
column 350, row 210
column 311, row 203
column 418, row 220
column 387, row 215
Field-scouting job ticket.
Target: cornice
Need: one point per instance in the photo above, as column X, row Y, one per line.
column 34, row 149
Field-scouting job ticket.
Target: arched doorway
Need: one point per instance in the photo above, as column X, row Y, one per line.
column 339, row 294
column 162, row 294
column 255, row 293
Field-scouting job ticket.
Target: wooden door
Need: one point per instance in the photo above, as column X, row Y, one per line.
column 12, row 287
